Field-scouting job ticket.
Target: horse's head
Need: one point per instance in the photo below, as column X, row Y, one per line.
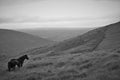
column 26, row 57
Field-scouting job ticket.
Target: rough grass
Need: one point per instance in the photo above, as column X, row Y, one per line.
column 60, row 64
column 68, row 72
column 86, row 66
column 36, row 65
column 80, row 62
column 71, row 67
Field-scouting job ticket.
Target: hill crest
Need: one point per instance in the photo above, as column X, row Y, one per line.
column 13, row 42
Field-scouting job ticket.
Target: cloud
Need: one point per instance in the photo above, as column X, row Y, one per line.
column 33, row 22
column 16, row 2
column 42, row 20
column 108, row 0
column 6, row 20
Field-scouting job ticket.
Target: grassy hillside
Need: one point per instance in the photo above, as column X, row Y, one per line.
column 104, row 38
column 14, row 42
column 101, row 38
column 94, row 55
column 96, row 65
column 112, row 37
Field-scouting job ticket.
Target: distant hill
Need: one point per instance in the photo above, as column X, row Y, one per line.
column 105, row 38
column 13, row 42
column 56, row 34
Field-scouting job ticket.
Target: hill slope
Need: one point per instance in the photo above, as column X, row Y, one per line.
column 91, row 56
column 56, row 34
column 112, row 37
column 101, row 38
column 14, row 42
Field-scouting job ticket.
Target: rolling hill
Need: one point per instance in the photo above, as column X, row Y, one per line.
column 94, row 55
column 14, row 42
column 103, row 38
column 57, row 34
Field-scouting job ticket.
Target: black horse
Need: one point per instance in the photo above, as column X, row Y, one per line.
column 16, row 62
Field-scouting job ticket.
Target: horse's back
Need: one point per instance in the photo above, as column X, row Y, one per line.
column 13, row 61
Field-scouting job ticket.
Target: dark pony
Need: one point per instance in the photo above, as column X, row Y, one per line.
column 16, row 62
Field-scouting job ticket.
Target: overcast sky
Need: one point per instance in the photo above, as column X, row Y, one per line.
column 20, row 14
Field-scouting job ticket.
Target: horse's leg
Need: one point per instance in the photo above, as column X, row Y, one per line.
column 18, row 65
column 9, row 67
column 21, row 64
column 13, row 68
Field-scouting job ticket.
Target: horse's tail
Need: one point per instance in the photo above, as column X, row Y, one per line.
column 9, row 66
